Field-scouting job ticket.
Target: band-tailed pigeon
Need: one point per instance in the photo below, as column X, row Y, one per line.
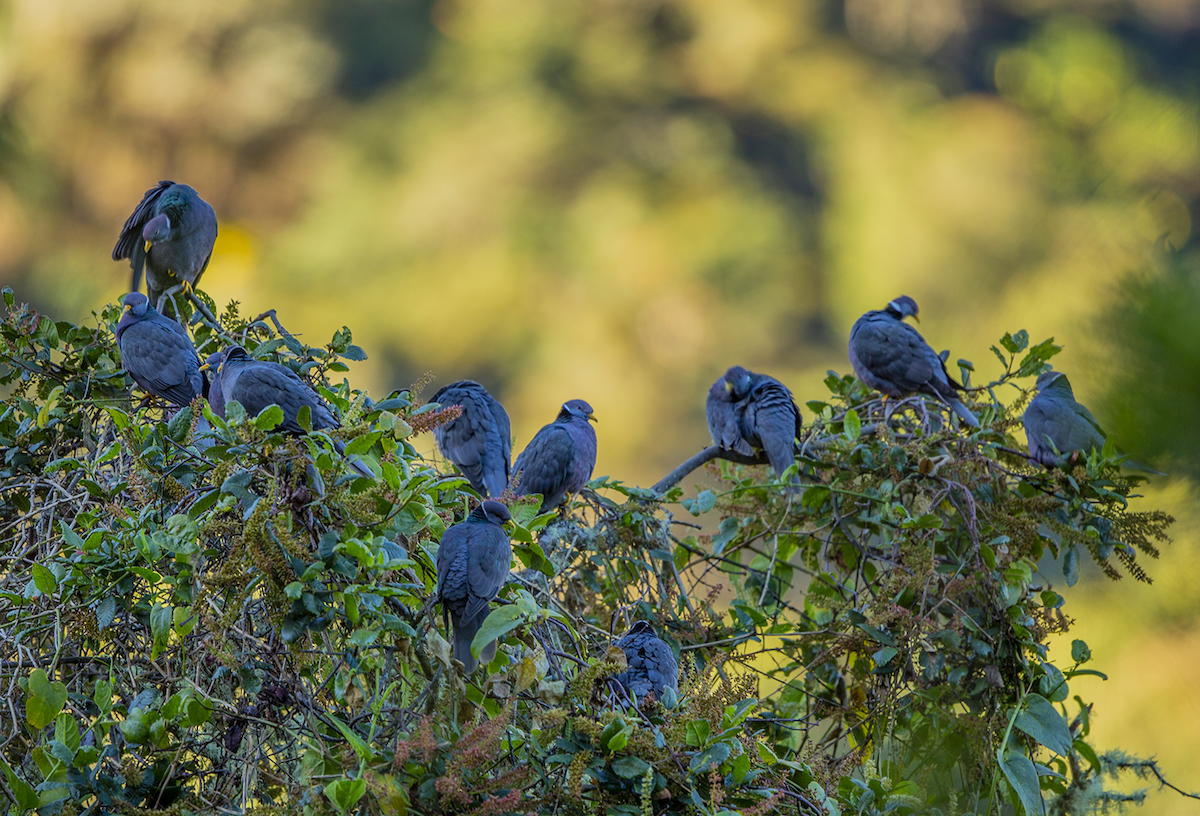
column 651, row 664
column 892, row 357
column 747, row 410
column 479, row 441
column 1054, row 420
column 171, row 234
column 473, row 560
column 158, row 353
column 558, row 461
column 257, row 384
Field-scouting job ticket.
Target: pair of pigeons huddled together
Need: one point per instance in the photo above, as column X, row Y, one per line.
column 473, row 561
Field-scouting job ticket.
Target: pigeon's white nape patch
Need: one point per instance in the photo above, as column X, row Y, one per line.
column 895, row 305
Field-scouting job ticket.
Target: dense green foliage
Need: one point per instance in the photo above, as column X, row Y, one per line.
column 241, row 624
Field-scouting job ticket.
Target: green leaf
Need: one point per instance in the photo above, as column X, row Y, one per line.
column 852, row 425
column 45, row 699
column 713, row 755
column 345, row 793
column 1052, row 684
column 615, row 736
column 1020, row 773
column 884, row 655
column 1071, row 566
column 269, row 418
column 1080, row 652
column 630, row 767
column 160, row 628
column 44, row 580
column 27, row 798
column 697, row 733
column 66, row 731
column 1041, row 720
column 497, row 624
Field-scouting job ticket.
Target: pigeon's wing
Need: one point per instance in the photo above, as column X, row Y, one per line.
column 259, row 384
column 774, row 419
column 499, row 461
column 131, row 233
column 448, row 550
column 463, row 441
column 545, row 464
column 584, row 460
column 192, row 250
column 890, row 356
column 162, row 361
column 488, row 562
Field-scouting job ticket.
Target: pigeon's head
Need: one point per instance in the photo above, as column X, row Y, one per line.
column 738, row 382
column 903, row 307
column 578, row 409
column 231, row 356
column 157, row 229
column 213, row 362
column 1052, row 379
column 136, row 304
column 495, row 512
column 640, row 628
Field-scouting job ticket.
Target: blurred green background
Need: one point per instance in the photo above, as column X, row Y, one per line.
column 618, row 199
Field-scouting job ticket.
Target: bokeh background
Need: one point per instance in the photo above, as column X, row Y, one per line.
column 618, row 199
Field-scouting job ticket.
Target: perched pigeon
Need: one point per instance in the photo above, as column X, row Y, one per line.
column 559, row 459
column 892, row 357
column 479, row 441
column 651, row 664
column 257, row 384
column 747, row 410
column 1054, row 420
column 171, row 234
column 216, row 397
column 158, row 353
column 473, row 560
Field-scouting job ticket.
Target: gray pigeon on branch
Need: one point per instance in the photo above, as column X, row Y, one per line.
column 171, row 234
column 479, row 441
column 559, row 460
column 747, row 410
column 258, row 384
column 1057, row 426
column 158, row 353
column 892, row 357
column 651, row 663
column 473, row 561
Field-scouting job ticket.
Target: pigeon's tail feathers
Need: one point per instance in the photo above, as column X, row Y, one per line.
column 495, row 480
column 137, row 262
column 782, row 455
column 464, row 633
column 964, row 413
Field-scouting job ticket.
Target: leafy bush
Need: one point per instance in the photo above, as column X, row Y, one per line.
column 201, row 614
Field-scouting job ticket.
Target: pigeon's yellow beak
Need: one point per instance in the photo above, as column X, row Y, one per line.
column 205, row 367
column 127, row 308
column 148, row 245
column 728, row 387
column 917, row 318
column 592, row 417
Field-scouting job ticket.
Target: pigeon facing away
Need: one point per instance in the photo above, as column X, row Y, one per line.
column 651, row 664
column 257, row 384
column 747, row 410
column 158, row 353
column 171, row 234
column 560, row 458
column 892, row 357
column 473, row 560
column 479, row 441
column 1054, row 420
